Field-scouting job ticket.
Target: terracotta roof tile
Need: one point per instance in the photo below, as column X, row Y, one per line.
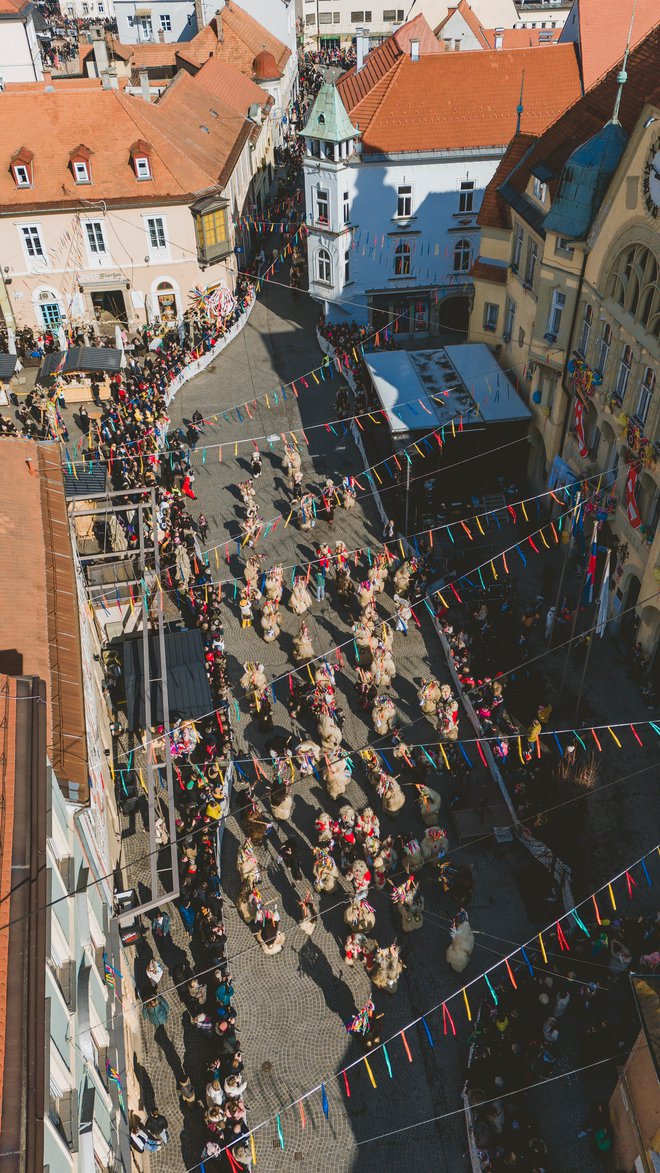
column 356, row 84
column 486, row 271
column 12, row 7
column 465, row 100
column 232, row 87
column 184, row 159
column 603, row 37
column 494, row 210
column 244, row 38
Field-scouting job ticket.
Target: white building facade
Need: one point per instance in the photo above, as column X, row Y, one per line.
column 20, row 58
column 334, row 24
column 160, row 20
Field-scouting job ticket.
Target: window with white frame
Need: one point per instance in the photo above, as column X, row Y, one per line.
column 142, row 167
column 466, row 196
column 21, row 175
column 509, row 318
column 33, row 244
column 540, row 190
column 81, row 172
column 604, row 348
column 516, row 251
column 625, row 367
column 404, row 201
column 324, row 266
column 95, row 237
column 563, row 245
column 166, row 22
column 347, row 266
column 402, row 263
column 585, row 333
column 554, row 317
column 491, row 314
column 532, row 259
column 462, row 255
column 322, row 206
column 156, row 234
column 346, row 200
column 100, row 8
column 646, row 389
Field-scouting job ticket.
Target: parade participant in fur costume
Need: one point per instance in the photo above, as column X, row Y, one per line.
column 246, row 489
column 270, row 621
column 309, row 913
column 300, row 600
column 326, row 829
column 390, row 792
column 429, row 805
column 367, row 825
column 306, row 516
column 292, row 462
column 281, row 798
column 343, row 583
column 383, row 715
column 270, row 936
column 458, row 882
column 336, row 775
column 360, row 916
column 429, row 696
column 273, row 584
column 434, row 845
column 409, row 904
column 365, row 594
column 461, row 946
column 307, row 755
column 385, row 862
column 348, row 493
column 249, row 903
column 252, row 573
column 303, row 649
column 410, row 853
column 383, row 670
column 402, row 578
column 340, row 556
column 248, row 867
column 387, row 969
column 353, row 947
column 325, row 870
column 360, row 877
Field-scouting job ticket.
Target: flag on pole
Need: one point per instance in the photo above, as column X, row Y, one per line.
column 632, row 507
column 604, row 600
column 590, row 578
column 579, row 427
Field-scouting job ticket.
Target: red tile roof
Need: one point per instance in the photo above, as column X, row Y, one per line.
column 12, row 7
column 577, row 124
column 604, row 32
column 184, row 159
column 461, row 100
column 232, row 36
column 487, row 271
column 378, row 64
column 235, row 89
column 494, row 211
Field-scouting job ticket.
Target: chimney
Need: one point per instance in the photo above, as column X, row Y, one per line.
column 109, row 79
column 100, row 49
column 218, row 25
column 144, row 85
column 362, row 48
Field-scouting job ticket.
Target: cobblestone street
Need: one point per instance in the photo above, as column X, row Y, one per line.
column 293, row 1007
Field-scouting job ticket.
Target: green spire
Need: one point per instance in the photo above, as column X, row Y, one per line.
column 328, row 119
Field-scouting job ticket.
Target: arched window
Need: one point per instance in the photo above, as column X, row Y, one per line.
column 625, row 366
column 324, row 266
column 402, row 259
column 633, row 284
column 462, row 256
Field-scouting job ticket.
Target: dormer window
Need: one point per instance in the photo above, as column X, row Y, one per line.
column 81, row 167
column 140, row 153
column 22, row 164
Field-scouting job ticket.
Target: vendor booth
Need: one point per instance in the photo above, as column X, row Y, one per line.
column 78, row 371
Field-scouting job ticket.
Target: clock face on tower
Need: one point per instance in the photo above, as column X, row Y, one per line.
column 652, row 179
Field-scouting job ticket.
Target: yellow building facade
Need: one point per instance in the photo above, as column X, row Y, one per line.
column 567, row 291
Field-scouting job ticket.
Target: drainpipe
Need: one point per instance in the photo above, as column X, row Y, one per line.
column 569, row 351
column 7, row 311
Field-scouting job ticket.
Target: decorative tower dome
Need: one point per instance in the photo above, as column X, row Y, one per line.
column 584, row 180
column 329, row 123
column 264, row 67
